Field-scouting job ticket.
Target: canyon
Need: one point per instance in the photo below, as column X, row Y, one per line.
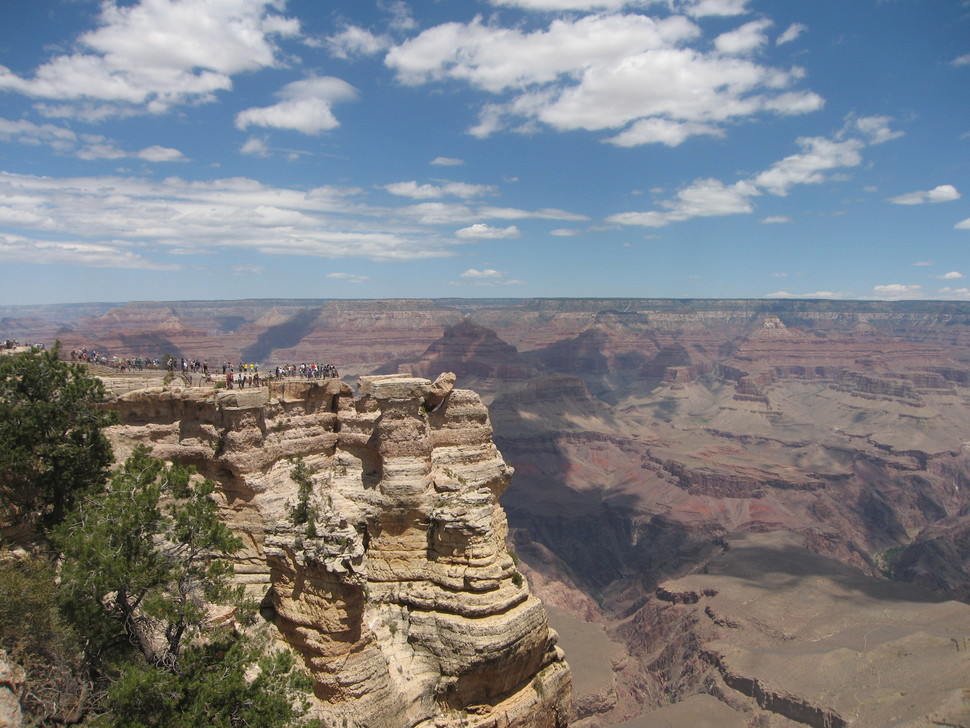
column 750, row 513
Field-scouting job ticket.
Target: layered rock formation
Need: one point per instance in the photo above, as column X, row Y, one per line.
column 647, row 433
column 396, row 587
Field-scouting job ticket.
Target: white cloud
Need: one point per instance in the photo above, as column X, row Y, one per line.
column 695, row 8
column 703, row 198
column 546, row 213
column 17, row 249
column 702, row 8
column 417, row 191
column 746, row 39
column 83, row 146
column 255, row 146
column 565, row 232
column 161, row 154
column 26, row 132
column 481, row 231
column 791, row 33
column 662, row 131
column 348, row 277
column 648, row 80
column 353, row 41
column 152, row 55
column 895, row 291
column 941, row 193
column 819, row 156
column 487, row 277
column 306, row 106
column 438, row 213
column 155, row 218
column 814, row 294
column 776, row 219
column 956, row 293
column 963, row 225
column 963, row 60
column 953, row 274
column 876, row 128
column 923, row 262
column 447, row 162
column 488, row 273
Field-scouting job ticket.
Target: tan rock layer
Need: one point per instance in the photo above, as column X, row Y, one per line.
column 399, row 592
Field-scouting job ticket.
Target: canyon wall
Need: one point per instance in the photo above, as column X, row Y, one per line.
column 395, row 586
column 647, row 437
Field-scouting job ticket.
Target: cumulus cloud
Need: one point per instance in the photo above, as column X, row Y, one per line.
column 963, row 225
column 662, row 131
column 791, row 33
column 963, row 60
column 776, row 220
column 876, row 129
column 940, row 193
column 746, row 39
column 149, row 56
column 703, row 198
column 481, row 231
column 305, row 106
column 897, row 291
column 161, row 154
column 256, row 147
column 447, row 162
column 353, row 42
column 819, row 156
column 953, row 274
column 955, row 293
column 647, row 80
column 417, row 191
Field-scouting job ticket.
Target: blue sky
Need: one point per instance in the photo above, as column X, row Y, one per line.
column 214, row 149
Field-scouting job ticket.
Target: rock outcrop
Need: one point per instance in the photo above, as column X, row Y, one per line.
column 11, row 686
column 397, row 590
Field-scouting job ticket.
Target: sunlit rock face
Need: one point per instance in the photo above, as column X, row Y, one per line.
column 398, row 591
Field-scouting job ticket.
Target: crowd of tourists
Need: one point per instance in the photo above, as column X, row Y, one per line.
column 240, row 375
column 248, row 375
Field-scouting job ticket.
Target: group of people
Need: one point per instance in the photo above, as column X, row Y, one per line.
column 90, row 356
column 247, row 375
column 235, row 376
column 307, row 371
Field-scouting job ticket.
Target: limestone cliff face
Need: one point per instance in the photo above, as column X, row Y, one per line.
column 399, row 592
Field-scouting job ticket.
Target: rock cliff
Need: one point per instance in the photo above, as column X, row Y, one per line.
column 395, row 586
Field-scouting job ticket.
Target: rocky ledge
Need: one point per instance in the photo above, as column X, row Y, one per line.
column 389, row 575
